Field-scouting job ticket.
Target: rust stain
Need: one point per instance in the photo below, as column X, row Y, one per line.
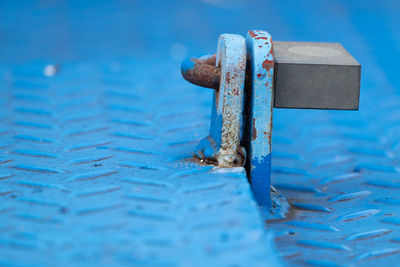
column 253, row 34
column 235, row 91
column 268, row 137
column 209, row 60
column 227, row 77
column 204, row 72
column 268, row 64
column 254, row 133
column 260, row 75
column 216, row 99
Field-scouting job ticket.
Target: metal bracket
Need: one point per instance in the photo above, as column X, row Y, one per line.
column 222, row 146
column 259, row 100
column 298, row 75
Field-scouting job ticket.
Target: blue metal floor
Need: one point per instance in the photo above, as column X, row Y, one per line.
column 91, row 165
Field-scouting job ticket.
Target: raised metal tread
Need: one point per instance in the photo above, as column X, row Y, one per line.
column 92, row 169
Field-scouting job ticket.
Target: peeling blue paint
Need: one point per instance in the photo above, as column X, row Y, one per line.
column 261, row 180
column 259, row 114
column 222, row 146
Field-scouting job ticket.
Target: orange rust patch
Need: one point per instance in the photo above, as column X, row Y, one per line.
column 253, row 34
column 254, row 133
column 227, row 78
column 260, row 75
column 268, row 64
column 235, row 91
column 268, row 136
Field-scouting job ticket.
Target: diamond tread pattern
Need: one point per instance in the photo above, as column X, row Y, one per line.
column 340, row 169
column 81, row 178
column 92, row 172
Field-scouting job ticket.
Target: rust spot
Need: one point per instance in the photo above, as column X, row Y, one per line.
column 208, row 60
column 269, row 74
column 268, row 64
column 227, row 77
column 254, row 133
column 253, row 34
column 268, row 136
column 271, row 52
column 216, row 99
column 235, row 91
column 202, row 161
column 260, row 75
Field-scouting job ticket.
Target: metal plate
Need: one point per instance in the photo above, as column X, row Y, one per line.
column 119, row 65
column 315, row 75
column 92, row 154
column 96, row 175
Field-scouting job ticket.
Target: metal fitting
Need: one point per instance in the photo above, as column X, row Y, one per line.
column 202, row 71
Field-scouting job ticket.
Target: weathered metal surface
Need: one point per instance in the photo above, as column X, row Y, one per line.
column 309, row 75
column 259, row 106
column 202, row 71
column 92, row 153
column 95, row 175
column 339, row 169
column 256, row 115
column 316, row 76
column 222, row 146
column 301, row 84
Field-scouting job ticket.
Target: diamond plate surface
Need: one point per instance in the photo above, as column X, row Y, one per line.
column 340, row 169
column 93, row 168
column 92, row 173
column 91, row 158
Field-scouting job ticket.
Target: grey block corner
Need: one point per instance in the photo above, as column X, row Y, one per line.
column 315, row 76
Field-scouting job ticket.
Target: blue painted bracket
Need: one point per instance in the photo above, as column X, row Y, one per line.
column 259, row 108
column 236, row 104
column 259, row 95
column 222, row 146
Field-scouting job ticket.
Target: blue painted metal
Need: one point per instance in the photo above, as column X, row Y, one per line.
column 260, row 105
column 223, row 143
column 87, row 179
column 113, row 91
column 227, row 115
column 229, row 111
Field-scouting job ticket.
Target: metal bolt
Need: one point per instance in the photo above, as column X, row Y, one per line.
column 202, row 71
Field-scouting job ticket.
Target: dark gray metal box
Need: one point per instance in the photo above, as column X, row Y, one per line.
column 315, row 75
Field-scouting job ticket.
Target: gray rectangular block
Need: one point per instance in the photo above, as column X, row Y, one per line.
column 315, row 76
